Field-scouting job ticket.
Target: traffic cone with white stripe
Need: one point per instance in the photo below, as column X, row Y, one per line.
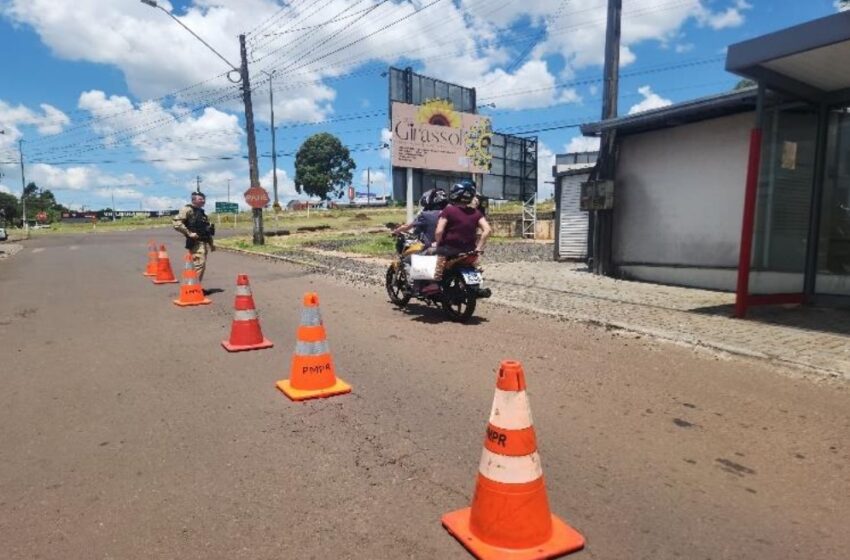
column 312, row 374
column 164, row 274
column 153, row 257
column 245, row 332
column 191, row 292
column 510, row 517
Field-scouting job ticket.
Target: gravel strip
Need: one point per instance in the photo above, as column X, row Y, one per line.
column 9, row 250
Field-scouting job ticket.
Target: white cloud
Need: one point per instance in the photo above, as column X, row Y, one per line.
column 545, row 162
column 179, row 139
column 684, row 48
column 531, row 86
column 733, row 16
column 285, row 185
column 651, row 100
column 386, row 137
column 580, row 144
column 79, row 178
column 376, row 177
column 13, row 117
column 841, row 5
column 5, row 189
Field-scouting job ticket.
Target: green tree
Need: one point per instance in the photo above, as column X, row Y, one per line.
column 30, row 190
column 323, row 166
column 9, row 208
column 39, row 200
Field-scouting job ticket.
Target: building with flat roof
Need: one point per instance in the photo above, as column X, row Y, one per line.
column 747, row 190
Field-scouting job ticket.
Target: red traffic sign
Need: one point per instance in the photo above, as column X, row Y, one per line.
column 351, row 193
column 257, row 197
column 41, row 217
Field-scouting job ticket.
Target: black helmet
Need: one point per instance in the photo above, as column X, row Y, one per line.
column 438, row 199
column 424, row 200
column 433, row 199
column 462, row 192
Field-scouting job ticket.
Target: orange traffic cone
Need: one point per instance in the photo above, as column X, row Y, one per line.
column 312, row 372
column 164, row 274
column 510, row 516
column 191, row 292
column 245, row 332
column 152, row 259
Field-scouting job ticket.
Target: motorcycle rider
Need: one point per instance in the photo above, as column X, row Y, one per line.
column 458, row 225
column 424, row 226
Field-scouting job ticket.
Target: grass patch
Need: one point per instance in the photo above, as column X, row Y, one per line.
column 372, row 246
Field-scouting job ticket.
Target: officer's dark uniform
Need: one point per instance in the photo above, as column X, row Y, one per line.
column 192, row 219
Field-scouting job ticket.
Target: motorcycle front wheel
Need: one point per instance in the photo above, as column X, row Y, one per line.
column 397, row 286
column 458, row 300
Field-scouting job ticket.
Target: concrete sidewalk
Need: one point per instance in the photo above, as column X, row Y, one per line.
column 813, row 339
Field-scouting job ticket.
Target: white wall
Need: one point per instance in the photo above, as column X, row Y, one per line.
column 679, row 195
column 723, row 279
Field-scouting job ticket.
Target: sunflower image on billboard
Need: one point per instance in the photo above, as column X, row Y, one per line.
column 434, row 136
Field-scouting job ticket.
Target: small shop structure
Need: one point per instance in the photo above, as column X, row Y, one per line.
column 746, row 191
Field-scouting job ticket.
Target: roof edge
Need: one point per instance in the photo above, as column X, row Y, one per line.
column 702, row 108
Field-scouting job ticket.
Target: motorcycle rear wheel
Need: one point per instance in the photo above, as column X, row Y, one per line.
column 396, row 285
column 458, row 300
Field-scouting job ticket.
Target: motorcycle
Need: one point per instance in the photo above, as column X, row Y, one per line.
column 459, row 290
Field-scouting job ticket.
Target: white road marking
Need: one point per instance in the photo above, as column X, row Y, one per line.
column 73, row 247
column 38, row 249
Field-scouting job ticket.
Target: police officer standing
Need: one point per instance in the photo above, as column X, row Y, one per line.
column 193, row 222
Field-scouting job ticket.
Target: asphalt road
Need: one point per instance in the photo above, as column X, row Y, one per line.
column 128, row 432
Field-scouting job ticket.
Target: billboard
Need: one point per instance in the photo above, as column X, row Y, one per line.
column 407, row 86
column 435, row 136
column 513, row 169
column 508, row 163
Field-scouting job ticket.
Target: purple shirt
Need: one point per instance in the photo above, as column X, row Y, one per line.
column 461, row 227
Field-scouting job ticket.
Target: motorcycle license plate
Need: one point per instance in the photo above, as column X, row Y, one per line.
column 471, row 277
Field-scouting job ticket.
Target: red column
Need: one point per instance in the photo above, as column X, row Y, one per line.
column 748, row 226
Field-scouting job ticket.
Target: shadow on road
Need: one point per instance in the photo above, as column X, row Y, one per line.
column 212, row 291
column 431, row 315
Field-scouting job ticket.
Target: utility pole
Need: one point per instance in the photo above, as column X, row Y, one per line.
column 198, row 183
column 113, row 204
column 276, row 204
column 228, row 190
column 368, row 186
column 23, row 189
column 249, row 112
column 605, row 167
column 257, row 213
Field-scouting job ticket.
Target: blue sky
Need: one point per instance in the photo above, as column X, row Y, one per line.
column 84, row 81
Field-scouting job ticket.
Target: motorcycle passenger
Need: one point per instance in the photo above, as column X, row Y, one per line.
column 457, row 228
column 424, row 226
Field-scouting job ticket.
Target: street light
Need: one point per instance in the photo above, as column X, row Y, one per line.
column 276, row 204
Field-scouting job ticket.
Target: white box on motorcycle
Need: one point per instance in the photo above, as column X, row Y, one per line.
column 423, row 267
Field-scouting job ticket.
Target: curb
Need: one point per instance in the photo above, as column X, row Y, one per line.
column 657, row 334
